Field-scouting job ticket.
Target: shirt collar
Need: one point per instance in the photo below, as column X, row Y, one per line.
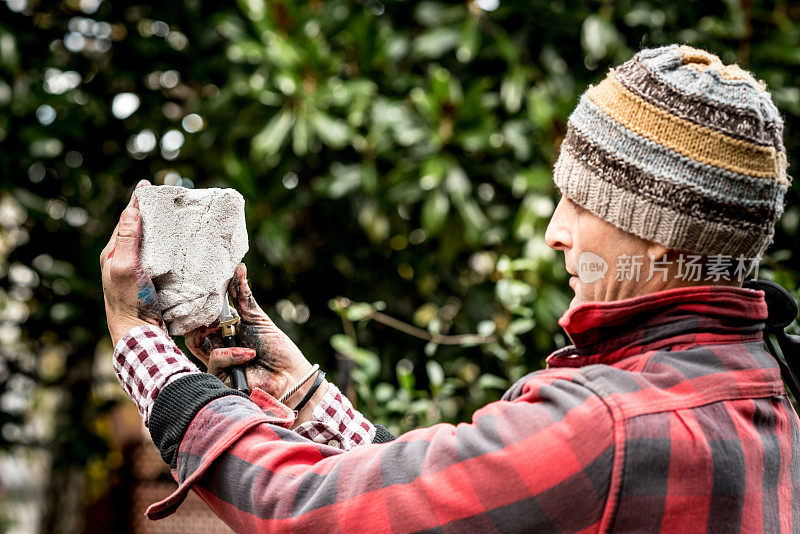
column 606, row 332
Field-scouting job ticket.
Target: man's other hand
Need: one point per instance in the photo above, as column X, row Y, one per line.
column 129, row 295
column 274, row 362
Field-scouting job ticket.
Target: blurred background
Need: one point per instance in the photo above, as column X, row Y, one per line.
column 395, row 158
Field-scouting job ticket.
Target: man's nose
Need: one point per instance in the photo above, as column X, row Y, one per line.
column 559, row 232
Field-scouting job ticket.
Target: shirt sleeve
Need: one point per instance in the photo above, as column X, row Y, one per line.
column 512, row 469
column 145, row 361
column 336, row 423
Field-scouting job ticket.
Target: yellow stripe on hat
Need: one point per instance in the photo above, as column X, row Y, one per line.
column 701, row 60
column 692, row 140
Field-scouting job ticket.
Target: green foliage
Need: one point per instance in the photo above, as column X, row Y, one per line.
column 397, row 154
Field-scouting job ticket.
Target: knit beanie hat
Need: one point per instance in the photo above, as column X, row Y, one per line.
column 678, row 148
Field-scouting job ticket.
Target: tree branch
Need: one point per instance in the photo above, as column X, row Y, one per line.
column 440, row 339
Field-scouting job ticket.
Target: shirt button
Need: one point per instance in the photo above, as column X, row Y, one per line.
column 333, row 443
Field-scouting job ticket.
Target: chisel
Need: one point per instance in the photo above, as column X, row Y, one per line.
column 228, row 319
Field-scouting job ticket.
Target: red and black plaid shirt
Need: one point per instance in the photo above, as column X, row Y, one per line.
column 667, row 415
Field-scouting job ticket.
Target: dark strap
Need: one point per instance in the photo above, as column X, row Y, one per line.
column 782, row 310
column 314, row 387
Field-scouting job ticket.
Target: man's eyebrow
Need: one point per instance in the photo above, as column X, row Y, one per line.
column 572, row 203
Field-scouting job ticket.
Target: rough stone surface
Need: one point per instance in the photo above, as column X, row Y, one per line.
column 192, row 241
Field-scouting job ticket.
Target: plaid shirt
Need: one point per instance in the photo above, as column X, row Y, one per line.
column 146, row 360
column 666, row 415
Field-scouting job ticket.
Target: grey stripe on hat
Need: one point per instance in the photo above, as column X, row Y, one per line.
column 664, row 162
column 738, row 122
column 742, row 94
column 679, row 196
column 642, row 217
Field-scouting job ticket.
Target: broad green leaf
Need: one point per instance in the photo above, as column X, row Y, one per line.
column 512, row 89
column 470, row 38
column 334, row 132
column 435, row 43
column 369, row 176
column 472, row 215
column 366, row 360
column 269, row 140
column 419, row 406
column 301, row 136
column 489, row 381
column 435, row 373
column 438, row 13
column 512, row 293
column 374, row 222
column 384, row 392
column 457, row 182
column 405, row 375
column 434, row 212
column 433, row 171
column 430, row 349
column 343, row 180
column 520, row 326
column 541, row 107
column 599, row 37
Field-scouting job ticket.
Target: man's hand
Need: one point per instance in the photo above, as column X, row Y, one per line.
column 129, row 295
column 274, row 363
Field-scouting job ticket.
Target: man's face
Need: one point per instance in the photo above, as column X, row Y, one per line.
column 594, row 250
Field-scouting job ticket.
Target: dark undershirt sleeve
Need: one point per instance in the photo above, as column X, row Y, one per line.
column 382, row 435
column 175, row 408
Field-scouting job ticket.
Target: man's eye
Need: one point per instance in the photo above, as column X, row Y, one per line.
column 577, row 207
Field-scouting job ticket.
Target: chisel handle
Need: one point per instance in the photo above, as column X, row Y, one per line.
column 238, row 378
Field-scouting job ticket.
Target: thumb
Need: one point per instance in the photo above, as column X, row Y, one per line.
column 129, row 237
column 242, row 296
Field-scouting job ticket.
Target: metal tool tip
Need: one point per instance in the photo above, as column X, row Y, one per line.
column 226, row 313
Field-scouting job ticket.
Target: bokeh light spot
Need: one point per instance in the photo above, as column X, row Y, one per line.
column 192, row 123
column 46, row 114
column 172, row 140
column 124, row 105
column 290, row 180
column 488, row 5
column 74, row 41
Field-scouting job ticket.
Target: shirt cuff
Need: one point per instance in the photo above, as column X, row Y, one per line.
column 146, row 359
column 336, row 423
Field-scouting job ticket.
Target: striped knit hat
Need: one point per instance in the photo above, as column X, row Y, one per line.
column 678, row 148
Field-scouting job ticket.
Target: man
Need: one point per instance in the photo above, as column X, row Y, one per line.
column 666, row 414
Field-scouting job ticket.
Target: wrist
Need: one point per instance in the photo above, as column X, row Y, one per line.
column 119, row 328
column 305, row 393
column 307, row 413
